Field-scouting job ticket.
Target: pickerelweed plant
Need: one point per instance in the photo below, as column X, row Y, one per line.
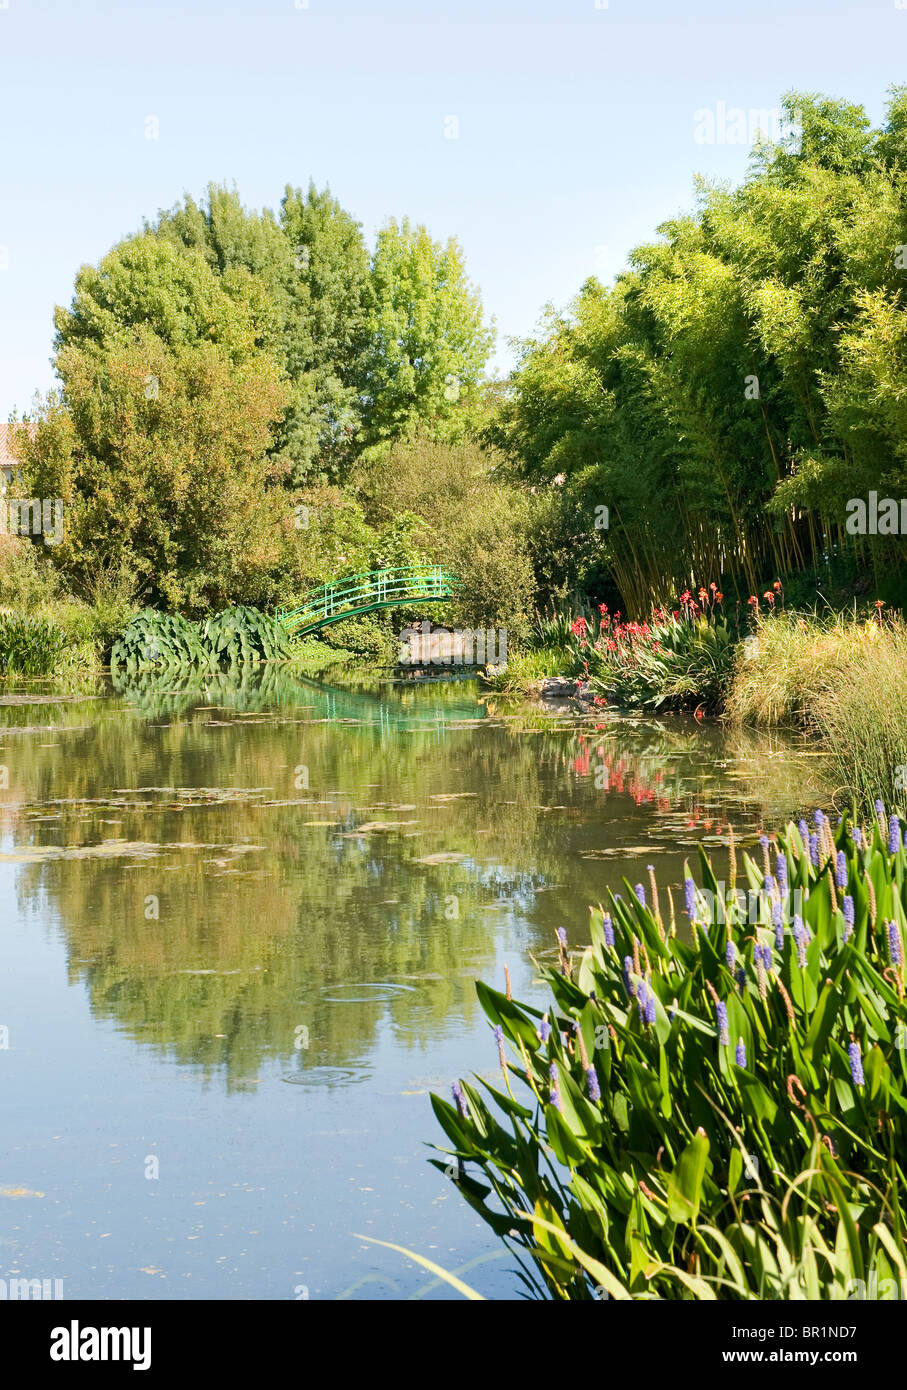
column 715, row 1103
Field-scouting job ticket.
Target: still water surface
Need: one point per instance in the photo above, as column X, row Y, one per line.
column 242, row 926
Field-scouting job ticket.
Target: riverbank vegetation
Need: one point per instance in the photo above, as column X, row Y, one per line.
column 713, row 1103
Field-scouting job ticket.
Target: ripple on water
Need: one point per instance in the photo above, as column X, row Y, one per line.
column 317, row 1077
column 379, row 992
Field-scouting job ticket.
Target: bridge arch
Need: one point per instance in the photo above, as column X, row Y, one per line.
column 366, row 592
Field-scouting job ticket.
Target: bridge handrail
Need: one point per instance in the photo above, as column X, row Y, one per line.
column 397, row 582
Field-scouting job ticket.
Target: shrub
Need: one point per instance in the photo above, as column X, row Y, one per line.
column 724, row 1114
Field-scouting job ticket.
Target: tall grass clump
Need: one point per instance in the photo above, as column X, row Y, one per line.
column 861, row 718
column 714, row 1102
column 842, row 678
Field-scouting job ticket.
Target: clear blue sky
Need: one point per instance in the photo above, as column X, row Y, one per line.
column 576, row 124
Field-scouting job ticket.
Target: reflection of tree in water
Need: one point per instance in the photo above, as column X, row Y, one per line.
column 287, row 929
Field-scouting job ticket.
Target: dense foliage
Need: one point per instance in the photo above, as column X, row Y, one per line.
column 715, row 1105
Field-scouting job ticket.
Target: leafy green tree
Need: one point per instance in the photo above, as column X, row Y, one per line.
column 158, row 444
column 313, row 265
column 427, row 345
column 333, row 297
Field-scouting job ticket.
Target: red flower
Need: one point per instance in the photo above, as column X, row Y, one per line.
column 602, row 608
column 753, row 601
column 578, row 626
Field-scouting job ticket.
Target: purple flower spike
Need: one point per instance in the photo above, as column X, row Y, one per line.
column 724, row 1036
column 609, row 929
column 628, row 970
column 895, row 953
column 640, row 892
column 814, row 851
column 856, row 1064
column 545, row 1029
column 554, row 1093
column 841, row 869
column 689, row 897
column 804, row 831
column 562, row 935
column 801, row 936
column 741, row 979
column 778, row 924
column 880, row 808
column 767, row 884
column 740, row 1053
column 730, row 955
column 456, row 1091
column 781, row 871
column 595, row 1093
column 763, row 841
column 818, row 819
column 847, row 909
column 856, row 835
column 894, row 835
column 648, row 1003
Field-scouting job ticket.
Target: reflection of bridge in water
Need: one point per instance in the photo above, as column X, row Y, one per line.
column 419, row 705
column 430, row 705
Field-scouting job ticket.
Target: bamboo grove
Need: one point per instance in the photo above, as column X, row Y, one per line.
column 747, row 374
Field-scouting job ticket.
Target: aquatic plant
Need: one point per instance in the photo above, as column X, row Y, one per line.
column 153, row 640
column 773, row 1166
column 29, row 646
column 246, row 634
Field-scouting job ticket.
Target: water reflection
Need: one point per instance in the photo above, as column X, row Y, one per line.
column 272, row 867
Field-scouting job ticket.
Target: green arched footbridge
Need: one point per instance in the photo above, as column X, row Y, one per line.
column 363, row 593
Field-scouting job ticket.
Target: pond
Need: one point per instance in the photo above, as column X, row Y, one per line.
column 243, row 920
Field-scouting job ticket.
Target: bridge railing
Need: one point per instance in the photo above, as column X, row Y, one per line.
column 367, row 590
